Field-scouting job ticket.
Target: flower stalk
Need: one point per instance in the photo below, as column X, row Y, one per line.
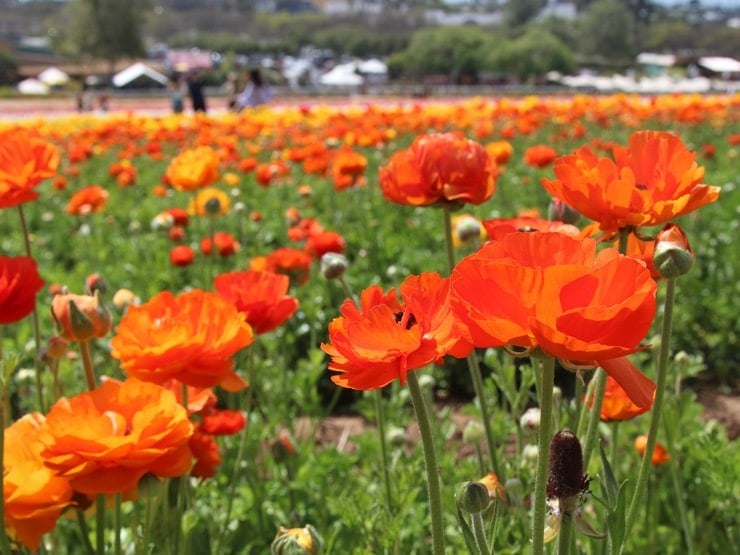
column 545, row 433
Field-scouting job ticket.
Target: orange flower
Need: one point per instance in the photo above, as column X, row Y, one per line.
column 660, row 455
column 25, row 161
column 540, row 156
column 439, row 168
column 648, row 183
column 617, row 406
column 498, row 228
column 318, row 244
column 86, row 200
column 347, row 168
column 261, row 296
column 500, row 151
column 206, row 453
column 384, row 339
column 294, row 263
column 191, row 337
column 105, row 440
column 182, row 255
column 210, row 202
column 33, row 496
column 553, row 292
column 80, row 317
column 19, row 283
column 221, row 422
column 193, row 168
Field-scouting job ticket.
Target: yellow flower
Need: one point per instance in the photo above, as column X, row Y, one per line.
column 210, row 202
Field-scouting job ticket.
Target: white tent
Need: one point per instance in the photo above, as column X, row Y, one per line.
column 32, row 86
column 53, row 77
column 342, row 75
column 372, row 66
column 720, row 64
column 139, row 76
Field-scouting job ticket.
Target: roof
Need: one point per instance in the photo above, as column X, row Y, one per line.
column 138, row 72
column 720, row 64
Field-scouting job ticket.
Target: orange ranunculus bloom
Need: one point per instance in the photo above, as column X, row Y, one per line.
column 617, row 406
column 80, row 317
column 651, row 181
column 194, row 168
column 347, row 167
column 500, row 151
column 262, row 296
column 550, row 291
column 224, row 242
column 25, row 161
column 540, row 156
column 660, row 454
column 318, row 244
column 86, row 200
column 210, row 202
column 439, row 168
column 34, row 496
column 191, row 337
column 221, row 422
column 295, row 263
column 383, row 339
column 19, row 283
column 497, row 228
column 182, row 255
column 103, row 441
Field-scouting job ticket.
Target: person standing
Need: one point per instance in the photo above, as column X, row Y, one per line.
column 256, row 91
column 177, row 94
column 196, row 84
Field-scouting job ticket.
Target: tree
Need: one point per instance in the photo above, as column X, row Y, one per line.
column 532, row 55
column 519, row 12
column 8, row 67
column 606, row 31
column 110, row 30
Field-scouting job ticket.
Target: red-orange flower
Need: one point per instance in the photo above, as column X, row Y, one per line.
column 193, row 168
column 221, row 422
column 294, row 263
column 25, row 161
column 191, row 337
column 439, row 168
column 347, row 167
column 225, row 243
column 651, row 181
column 105, row 440
column 617, row 406
column 660, row 454
column 383, row 339
column 33, row 496
column 318, row 244
column 182, row 255
column 19, row 283
column 86, row 200
column 540, row 156
column 262, row 296
column 498, row 228
column 550, row 291
column 206, row 454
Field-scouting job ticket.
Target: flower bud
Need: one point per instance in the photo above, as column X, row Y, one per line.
column 80, row 317
column 473, row 497
column 467, row 228
column 530, row 452
column 333, row 265
column 473, row 432
column 565, row 472
column 673, row 256
column 396, row 436
column 95, row 282
column 530, row 420
column 297, row 541
column 494, row 487
column 123, row 298
column 55, row 348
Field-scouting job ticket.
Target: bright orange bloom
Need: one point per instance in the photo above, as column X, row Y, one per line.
column 34, row 496
column 660, row 455
column 19, row 283
column 191, row 337
column 225, row 243
column 439, row 168
column 650, row 182
column 550, row 291
column 105, row 440
column 294, row 263
column 540, row 156
column 500, row 151
column 221, row 422
column 182, row 255
column 498, row 228
column 494, row 487
column 25, row 161
column 261, row 296
column 210, row 202
column 193, row 168
column 384, row 339
column 347, row 167
column 86, row 200
column 617, row 406
column 318, row 244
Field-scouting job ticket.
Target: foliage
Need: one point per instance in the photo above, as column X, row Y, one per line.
column 8, row 67
column 605, row 31
column 532, row 55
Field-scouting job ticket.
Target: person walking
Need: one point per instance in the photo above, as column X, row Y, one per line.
column 256, row 91
column 196, row 84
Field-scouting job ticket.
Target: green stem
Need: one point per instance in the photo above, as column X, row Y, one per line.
column 565, row 537
column 346, row 288
column 36, row 326
column 87, row 365
column 615, row 440
column 473, row 365
column 592, row 431
column 479, row 533
column 545, row 434
column 100, row 525
column 117, row 548
column 380, row 419
column 661, row 374
column 430, row 462
column 4, row 543
column 678, row 489
column 84, row 532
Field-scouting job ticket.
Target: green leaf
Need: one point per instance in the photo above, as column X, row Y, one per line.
column 610, row 481
column 615, row 520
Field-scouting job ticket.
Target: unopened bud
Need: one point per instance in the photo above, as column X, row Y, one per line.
column 473, row 497
column 467, row 229
column 54, row 349
column 530, row 420
column 473, row 432
column 396, row 436
column 673, row 256
column 333, row 265
column 530, row 452
column 80, row 317
column 297, row 541
column 123, row 298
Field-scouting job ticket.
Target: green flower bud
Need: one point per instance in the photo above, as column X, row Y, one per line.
column 396, row 436
column 473, row 497
column 473, row 432
column 673, row 256
column 333, row 265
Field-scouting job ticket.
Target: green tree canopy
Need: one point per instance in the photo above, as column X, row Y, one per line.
column 532, row 55
column 606, row 31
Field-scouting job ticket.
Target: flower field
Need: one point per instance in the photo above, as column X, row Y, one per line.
column 464, row 326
